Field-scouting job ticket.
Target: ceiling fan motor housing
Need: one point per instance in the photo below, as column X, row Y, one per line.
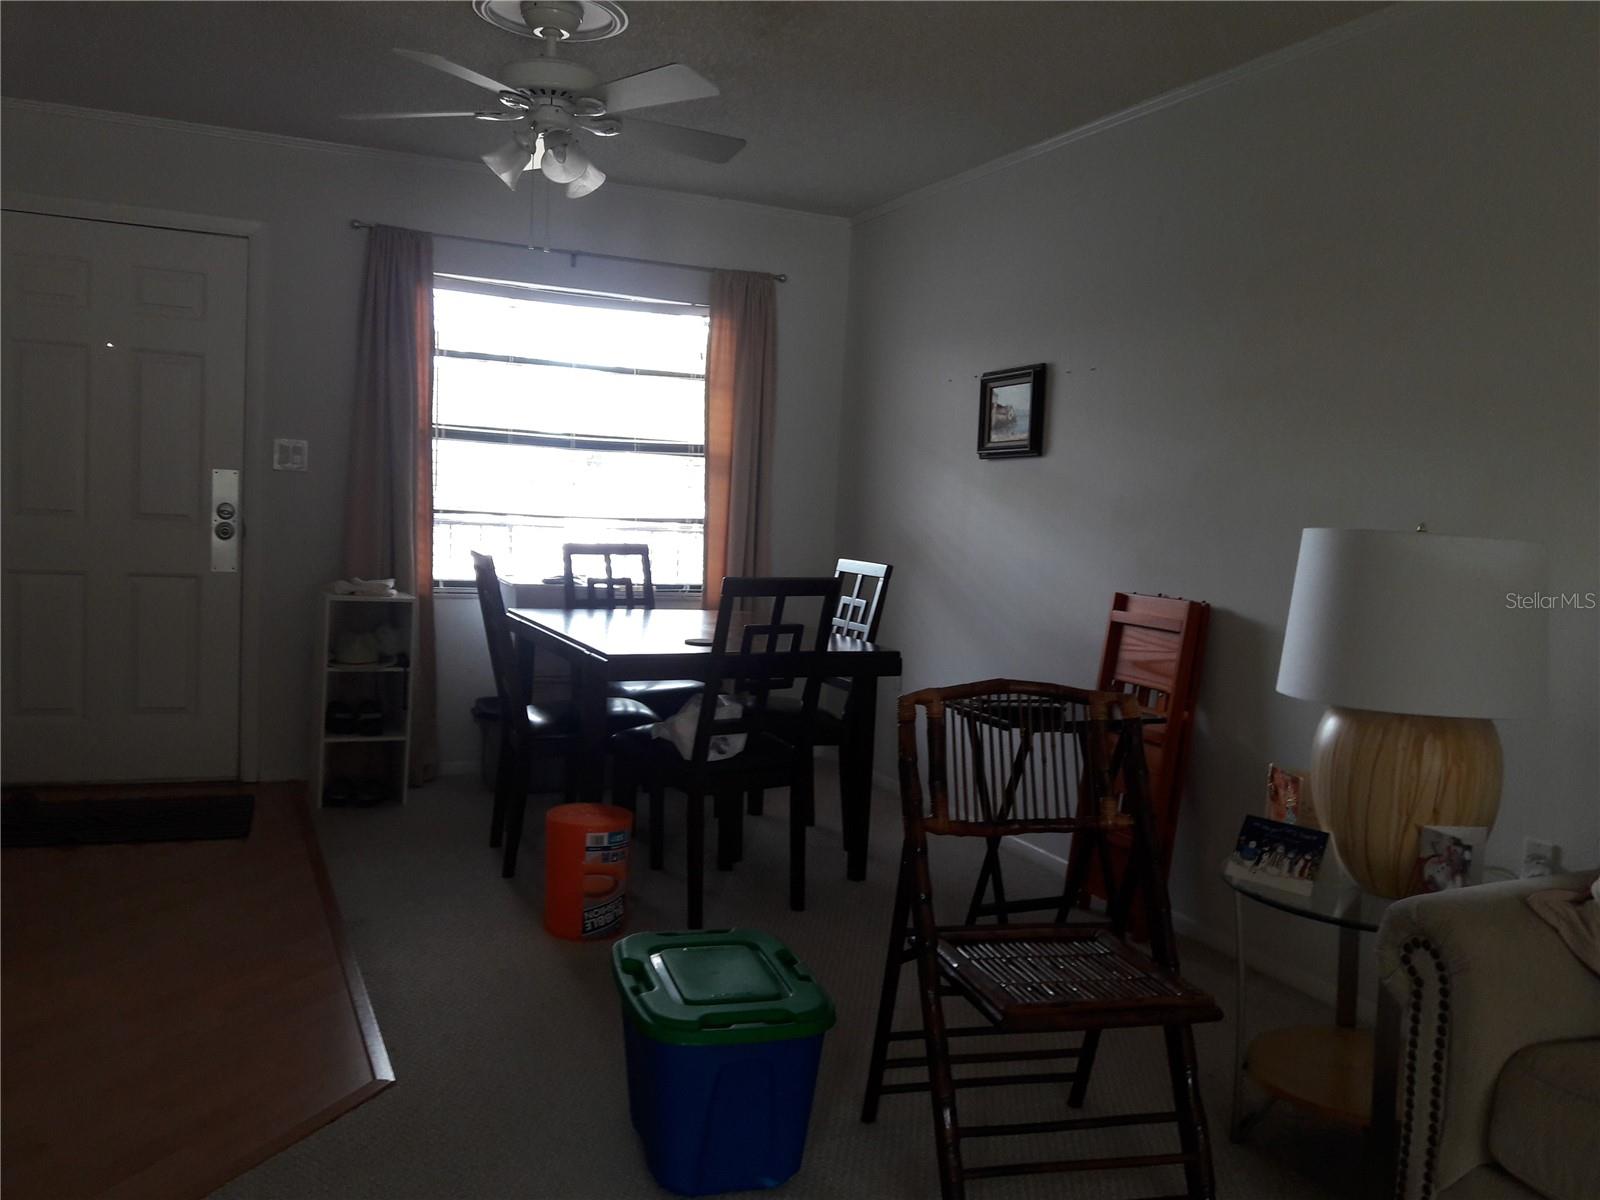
column 551, row 76
column 545, row 117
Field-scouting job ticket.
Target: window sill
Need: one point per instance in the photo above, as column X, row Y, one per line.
column 663, row 600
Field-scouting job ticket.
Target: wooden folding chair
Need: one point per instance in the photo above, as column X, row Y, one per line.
column 1007, row 758
column 1152, row 652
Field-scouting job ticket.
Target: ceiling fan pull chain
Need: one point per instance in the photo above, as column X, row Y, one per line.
column 536, row 189
column 533, row 205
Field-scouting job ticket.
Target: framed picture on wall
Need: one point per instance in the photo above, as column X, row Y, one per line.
column 1011, row 413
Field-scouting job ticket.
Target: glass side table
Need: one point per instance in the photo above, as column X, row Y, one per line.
column 1326, row 1069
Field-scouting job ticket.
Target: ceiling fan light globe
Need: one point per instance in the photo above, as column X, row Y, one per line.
column 591, row 179
column 508, row 162
column 565, row 164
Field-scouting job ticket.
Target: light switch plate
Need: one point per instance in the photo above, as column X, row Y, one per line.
column 290, row 454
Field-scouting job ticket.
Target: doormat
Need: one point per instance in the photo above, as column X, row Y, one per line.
column 28, row 819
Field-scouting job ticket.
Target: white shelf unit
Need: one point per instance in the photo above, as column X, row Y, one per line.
column 363, row 769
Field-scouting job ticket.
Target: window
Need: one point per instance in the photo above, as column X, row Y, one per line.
column 566, row 417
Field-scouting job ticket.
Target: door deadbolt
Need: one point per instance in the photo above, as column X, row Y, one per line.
column 225, row 520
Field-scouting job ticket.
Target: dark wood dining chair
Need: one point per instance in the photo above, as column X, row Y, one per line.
column 765, row 641
column 612, row 589
column 862, row 588
column 609, row 588
column 1006, row 758
column 526, row 730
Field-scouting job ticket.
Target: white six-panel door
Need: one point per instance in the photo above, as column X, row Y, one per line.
column 123, row 390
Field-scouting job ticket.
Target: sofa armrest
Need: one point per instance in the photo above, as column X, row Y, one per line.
column 1477, row 976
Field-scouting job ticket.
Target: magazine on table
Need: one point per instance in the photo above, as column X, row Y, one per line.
column 1279, row 855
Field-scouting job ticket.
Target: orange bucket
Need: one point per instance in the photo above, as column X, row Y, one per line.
column 586, row 870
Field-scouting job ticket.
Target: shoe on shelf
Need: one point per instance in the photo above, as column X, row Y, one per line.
column 338, row 793
column 341, row 718
column 369, row 719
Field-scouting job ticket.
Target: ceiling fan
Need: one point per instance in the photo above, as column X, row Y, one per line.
column 551, row 100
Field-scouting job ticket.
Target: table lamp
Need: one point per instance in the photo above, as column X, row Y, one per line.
column 1411, row 641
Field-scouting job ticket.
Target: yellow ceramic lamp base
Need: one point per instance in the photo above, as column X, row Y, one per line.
column 1377, row 778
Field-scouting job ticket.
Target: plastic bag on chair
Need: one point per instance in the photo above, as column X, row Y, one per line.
column 679, row 729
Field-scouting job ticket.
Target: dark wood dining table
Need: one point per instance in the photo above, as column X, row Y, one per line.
column 603, row 645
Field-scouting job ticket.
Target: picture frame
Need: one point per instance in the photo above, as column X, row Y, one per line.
column 1274, row 854
column 1448, row 857
column 1011, row 412
column 1289, row 797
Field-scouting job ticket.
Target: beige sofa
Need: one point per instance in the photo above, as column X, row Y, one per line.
column 1499, row 1047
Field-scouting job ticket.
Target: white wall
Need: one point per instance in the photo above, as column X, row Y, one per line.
column 1357, row 288
column 306, row 193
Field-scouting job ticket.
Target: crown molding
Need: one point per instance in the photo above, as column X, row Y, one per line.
column 1360, row 27
column 103, row 116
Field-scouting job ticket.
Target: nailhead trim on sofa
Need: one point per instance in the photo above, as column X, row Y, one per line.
column 1414, row 949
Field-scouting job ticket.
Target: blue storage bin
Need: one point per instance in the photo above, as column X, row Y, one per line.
column 723, row 1033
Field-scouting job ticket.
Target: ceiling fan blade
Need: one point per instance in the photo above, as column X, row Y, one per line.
column 400, row 116
column 509, row 162
column 696, row 143
column 456, row 69
column 671, row 84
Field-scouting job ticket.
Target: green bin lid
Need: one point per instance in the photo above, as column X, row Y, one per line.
column 718, row 987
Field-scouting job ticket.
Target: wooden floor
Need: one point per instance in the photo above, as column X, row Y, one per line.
column 175, row 1013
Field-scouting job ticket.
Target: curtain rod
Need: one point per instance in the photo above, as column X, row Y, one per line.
column 575, row 254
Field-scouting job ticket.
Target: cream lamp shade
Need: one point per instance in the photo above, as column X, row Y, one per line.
column 1414, row 641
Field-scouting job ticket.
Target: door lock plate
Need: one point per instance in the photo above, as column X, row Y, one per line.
column 225, row 527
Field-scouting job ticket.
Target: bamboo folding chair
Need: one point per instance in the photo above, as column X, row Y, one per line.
column 1006, row 758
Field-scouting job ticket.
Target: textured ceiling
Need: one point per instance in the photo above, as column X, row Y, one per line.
column 845, row 105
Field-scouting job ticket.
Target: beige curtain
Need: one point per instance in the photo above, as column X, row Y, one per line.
column 389, row 497
column 741, row 403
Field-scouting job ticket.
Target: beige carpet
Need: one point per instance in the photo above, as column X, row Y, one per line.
column 508, row 1059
